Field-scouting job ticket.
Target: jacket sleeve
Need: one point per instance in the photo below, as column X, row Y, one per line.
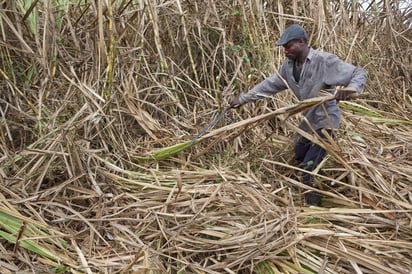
column 340, row 73
column 268, row 87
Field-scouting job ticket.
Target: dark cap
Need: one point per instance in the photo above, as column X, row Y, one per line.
column 291, row 33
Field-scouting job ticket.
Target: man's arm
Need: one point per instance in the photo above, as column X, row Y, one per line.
column 340, row 73
column 266, row 88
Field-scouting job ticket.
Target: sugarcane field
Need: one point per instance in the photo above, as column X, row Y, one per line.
column 206, row 136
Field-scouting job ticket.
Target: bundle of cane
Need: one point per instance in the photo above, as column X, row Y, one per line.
column 287, row 111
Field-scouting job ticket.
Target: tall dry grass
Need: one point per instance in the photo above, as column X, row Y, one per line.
column 90, row 87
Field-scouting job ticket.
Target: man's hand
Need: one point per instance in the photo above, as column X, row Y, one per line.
column 345, row 93
column 235, row 103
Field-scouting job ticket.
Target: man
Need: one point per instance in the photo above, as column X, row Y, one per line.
column 306, row 72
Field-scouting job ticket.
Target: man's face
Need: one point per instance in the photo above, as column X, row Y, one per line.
column 293, row 49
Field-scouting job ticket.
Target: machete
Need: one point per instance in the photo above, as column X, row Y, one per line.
column 210, row 125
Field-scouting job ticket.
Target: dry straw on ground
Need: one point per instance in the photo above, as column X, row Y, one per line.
column 89, row 89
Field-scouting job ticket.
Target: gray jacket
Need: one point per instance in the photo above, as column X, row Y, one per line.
column 321, row 70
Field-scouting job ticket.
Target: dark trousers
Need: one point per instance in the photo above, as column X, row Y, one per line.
column 309, row 155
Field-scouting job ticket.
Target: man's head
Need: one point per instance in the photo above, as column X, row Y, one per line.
column 294, row 41
column 293, row 32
